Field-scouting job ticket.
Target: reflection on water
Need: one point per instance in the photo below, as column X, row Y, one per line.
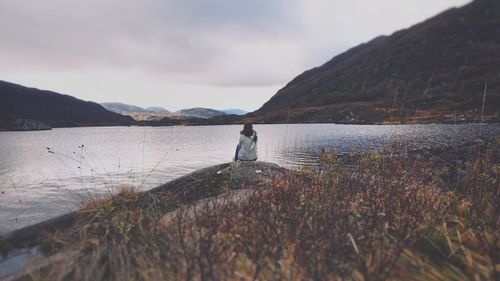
column 44, row 174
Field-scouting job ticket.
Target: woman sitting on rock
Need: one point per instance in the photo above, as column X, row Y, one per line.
column 247, row 147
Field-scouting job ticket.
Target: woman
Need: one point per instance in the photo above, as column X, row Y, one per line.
column 247, row 147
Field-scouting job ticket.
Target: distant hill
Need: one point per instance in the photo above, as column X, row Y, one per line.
column 54, row 109
column 198, row 112
column 158, row 113
column 234, row 111
column 136, row 112
column 122, row 108
column 433, row 71
column 157, row 109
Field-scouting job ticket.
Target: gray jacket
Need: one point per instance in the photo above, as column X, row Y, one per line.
column 248, row 149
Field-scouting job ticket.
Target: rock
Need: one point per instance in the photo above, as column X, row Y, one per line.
column 10, row 124
column 255, row 172
column 31, row 125
column 243, row 177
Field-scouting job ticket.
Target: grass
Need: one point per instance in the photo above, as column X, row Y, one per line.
column 379, row 216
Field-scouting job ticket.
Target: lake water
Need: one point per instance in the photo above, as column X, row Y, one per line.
column 47, row 173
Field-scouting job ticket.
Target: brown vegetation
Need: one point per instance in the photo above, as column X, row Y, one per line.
column 381, row 216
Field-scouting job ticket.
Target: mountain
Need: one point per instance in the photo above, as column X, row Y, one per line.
column 159, row 113
column 234, row 111
column 53, row 109
column 122, row 108
column 434, row 71
column 157, row 109
column 198, row 112
column 136, row 112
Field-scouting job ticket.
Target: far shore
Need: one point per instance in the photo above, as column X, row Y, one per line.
column 195, row 124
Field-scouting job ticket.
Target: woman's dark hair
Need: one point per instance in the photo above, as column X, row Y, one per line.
column 248, row 131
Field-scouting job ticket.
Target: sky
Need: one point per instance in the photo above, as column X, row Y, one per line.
column 187, row 53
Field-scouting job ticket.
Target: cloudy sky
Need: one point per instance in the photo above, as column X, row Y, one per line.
column 187, row 53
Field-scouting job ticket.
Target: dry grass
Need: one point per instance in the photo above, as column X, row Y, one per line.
column 382, row 216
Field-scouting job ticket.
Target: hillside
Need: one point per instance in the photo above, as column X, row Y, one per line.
column 234, row 111
column 157, row 109
column 54, row 109
column 433, row 71
column 127, row 109
column 198, row 112
column 122, row 108
column 159, row 113
column 136, row 112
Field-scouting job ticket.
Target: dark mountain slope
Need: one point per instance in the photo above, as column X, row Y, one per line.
column 56, row 110
column 438, row 66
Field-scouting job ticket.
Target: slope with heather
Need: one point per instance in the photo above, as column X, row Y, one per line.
column 436, row 70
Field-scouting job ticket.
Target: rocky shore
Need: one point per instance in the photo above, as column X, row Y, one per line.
column 23, row 125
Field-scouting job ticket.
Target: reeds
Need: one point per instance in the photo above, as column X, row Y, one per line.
column 388, row 215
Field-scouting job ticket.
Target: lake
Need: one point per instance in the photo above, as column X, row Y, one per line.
column 44, row 174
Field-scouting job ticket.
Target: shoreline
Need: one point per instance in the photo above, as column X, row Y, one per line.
column 236, row 124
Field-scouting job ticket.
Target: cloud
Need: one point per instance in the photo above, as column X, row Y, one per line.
column 182, row 39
